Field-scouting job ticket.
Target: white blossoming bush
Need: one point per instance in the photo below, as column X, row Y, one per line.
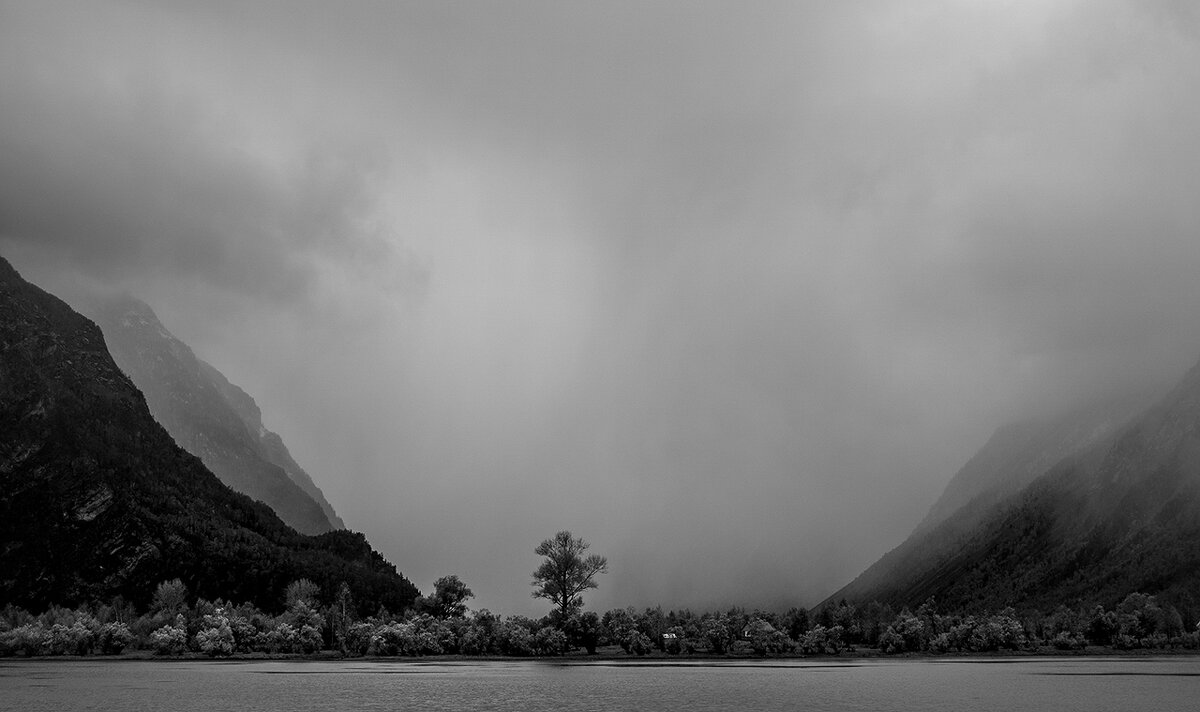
column 386, row 639
column 29, row 639
column 215, row 642
column 112, row 638
column 170, row 639
column 74, row 639
column 432, row 636
column 287, row 638
column 215, row 637
column 299, row 628
column 283, row 638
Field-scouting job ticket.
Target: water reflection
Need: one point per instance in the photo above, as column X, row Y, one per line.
column 1092, row 684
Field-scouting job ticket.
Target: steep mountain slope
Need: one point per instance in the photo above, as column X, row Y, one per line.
column 1019, row 453
column 269, row 445
column 210, row 417
column 1015, row 456
column 97, row 500
column 1120, row 515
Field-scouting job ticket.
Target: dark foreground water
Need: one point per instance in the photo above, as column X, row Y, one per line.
column 1092, row 684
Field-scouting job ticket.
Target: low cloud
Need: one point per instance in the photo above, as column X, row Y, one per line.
column 730, row 292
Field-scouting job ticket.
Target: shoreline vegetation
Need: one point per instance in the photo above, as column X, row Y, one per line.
column 309, row 626
column 614, row 656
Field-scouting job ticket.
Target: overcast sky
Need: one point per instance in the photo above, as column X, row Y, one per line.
column 729, row 289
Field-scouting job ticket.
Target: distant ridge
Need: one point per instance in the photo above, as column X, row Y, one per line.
column 97, row 500
column 210, row 417
column 270, row 445
column 1019, row 453
column 1079, row 511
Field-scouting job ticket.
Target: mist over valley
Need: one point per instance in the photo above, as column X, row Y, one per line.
column 733, row 293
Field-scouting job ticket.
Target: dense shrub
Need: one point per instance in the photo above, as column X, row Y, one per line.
column 549, row 641
column 1068, row 641
column 388, row 639
column 29, row 639
column 676, row 641
column 433, row 636
column 907, row 633
column 479, row 635
column 999, row 631
column 170, row 639
column 215, row 637
column 637, row 643
column 514, row 639
column 357, row 640
column 822, row 641
column 249, row 632
column 584, row 630
column 1103, row 626
column 287, row 638
column 766, row 640
column 113, row 638
column 716, row 632
column 74, row 639
column 892, row 642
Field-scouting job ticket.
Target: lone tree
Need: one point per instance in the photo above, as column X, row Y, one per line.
column 565, row 573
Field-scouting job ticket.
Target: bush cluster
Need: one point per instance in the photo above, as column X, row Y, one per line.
column 61, row 631
column 175, row 624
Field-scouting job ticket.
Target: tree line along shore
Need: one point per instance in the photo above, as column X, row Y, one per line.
column 309, row 621
column 312, row 622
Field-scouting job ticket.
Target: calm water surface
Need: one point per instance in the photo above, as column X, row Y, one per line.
column 1092, row 684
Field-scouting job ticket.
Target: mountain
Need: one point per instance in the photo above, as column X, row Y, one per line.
column 97, row 500
column 1117, row 512
column 210, row 417
column 1015, row 456
column 1019, row 453
column 269, row 445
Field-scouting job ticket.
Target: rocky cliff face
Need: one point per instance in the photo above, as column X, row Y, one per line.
column 96, row 499
column 210, row 417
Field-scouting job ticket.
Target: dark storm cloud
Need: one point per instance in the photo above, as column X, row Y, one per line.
column 730, row 290
column 124, row 162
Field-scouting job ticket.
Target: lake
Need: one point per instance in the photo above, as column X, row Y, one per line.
column 962, row 685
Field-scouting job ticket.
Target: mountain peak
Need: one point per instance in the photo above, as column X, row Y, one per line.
column 131, row 313
column 7, row 271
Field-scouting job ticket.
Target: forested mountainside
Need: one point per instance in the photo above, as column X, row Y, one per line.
column 1015, row 455
column 1020, row 452
column 210, row 417
column 97, row 500
column 1119, row 512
